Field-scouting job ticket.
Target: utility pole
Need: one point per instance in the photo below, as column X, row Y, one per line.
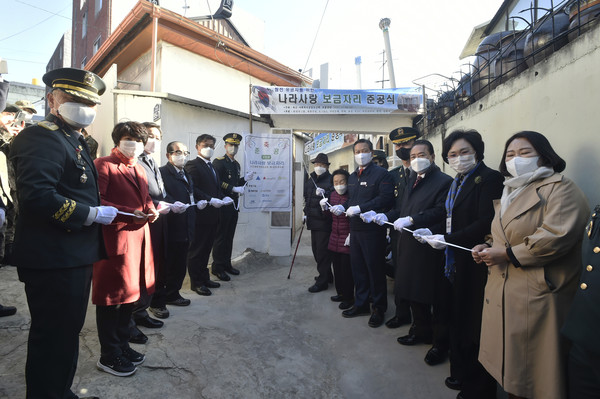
column 384, row 25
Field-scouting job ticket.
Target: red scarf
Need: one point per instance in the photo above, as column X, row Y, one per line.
column 127, row 161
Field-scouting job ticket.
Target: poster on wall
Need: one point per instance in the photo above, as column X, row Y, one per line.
column 328, row 142
column 270, row 157
column 308, row 100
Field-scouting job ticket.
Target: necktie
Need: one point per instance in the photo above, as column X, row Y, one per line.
column 212, row 170
column 84, row 143
column 360, row 170
column 419, row 178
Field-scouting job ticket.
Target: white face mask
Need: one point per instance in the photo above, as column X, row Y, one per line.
column 420, row 164
column 151, row 145
column 131, row 149
column 178, row 160
column 77, row 115
column 462, row 163
column 232, row 149
column 520, row 165
column 363, row 158
column 319, row 170
column 206, row 152
column 341, row 189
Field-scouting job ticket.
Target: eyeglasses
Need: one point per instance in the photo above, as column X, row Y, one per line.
column 179, row 152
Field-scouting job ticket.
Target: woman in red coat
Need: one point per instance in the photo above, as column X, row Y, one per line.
column 118, row 280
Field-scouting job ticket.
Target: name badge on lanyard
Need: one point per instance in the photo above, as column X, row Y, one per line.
column 448, row 225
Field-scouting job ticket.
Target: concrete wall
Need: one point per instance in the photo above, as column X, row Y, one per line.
column 557, row 97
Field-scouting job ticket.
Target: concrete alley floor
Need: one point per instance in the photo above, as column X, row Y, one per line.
column 258, row 336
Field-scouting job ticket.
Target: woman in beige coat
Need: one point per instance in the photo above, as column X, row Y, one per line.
column 533, row 261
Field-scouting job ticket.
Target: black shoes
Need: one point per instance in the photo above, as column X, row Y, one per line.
column 148, row 322
column 212, row 284
column 134, row 357
column 179, row 302
column 317, row 288
column 137, row 337
column 202, row 290
column 453, row 383
column 7, row 310
column 118, row 365
column 396, row 322
column 346, row 305
column 376, row 318
column 337, row 298
column 161, row 312
column 412, row 339
column 233, row 271
column 356, row 311
column 435, row 356
column 222, row 276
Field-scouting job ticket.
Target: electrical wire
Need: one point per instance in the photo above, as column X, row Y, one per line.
column 316, row 35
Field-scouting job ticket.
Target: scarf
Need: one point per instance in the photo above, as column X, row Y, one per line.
column 126, row 160
column 513, row 186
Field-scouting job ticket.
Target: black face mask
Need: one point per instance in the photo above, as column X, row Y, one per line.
column 403, row 153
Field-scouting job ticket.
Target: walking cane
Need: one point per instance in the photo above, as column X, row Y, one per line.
column 296, row 251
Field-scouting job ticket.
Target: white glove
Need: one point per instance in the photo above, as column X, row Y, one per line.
column 320, row 191
column 238, row 190
column 420, row 234
column 2, row 217
column 337, row 210
column 105, row 214
column 163, row 207
column 201, row 204
column 178, row 207
column 353, row 210
column 249, row 176
column 347, row 242
column 227, row 201
column 217, row 203
column 401, row 223
column 380, row 219
column 434, row 241
column 323, row 204
column 367, row 217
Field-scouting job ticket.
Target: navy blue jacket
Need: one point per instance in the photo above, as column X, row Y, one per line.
column 180, row 226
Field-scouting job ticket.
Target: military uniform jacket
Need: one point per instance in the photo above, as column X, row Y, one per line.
column 229, row 172
column 400, row 176
column 57, row 183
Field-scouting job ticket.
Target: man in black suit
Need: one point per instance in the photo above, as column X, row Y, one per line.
column 58, row 236
column 419, row 269
column 207, row 186
column 180, row 221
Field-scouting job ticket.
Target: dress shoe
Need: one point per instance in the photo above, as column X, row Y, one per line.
column 7, row 310
column 412, row 339
column 346, row 305
column 233, row 271
column 160, row 312
column 212, row 284
column 453, row 383
column 376, row 318
column 435, row 356
column 355, row 311
column 179, row 302
column 460, row 396
column 317, row 288
column 202, row 290
column 337, row 298
column 148, row 322
column 222, row 276
column 137, row 337
column 396, row 322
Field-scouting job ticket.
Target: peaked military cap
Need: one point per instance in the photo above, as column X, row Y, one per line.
column 232, row 138
column 77, row 82
column 378, row 154
column 321, row 158
column 404, row 134
column 26, row 105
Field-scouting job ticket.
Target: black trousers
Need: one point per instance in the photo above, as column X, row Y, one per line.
column 434, row 324
column 223, row 244
column 175, row 268
column 342, row 271
column 402, row 304
column 198, row 254
column 53, row 344
column 158, row 236
column 584, row 373
column 366, row 253
column 319, row 240
column 113, row 328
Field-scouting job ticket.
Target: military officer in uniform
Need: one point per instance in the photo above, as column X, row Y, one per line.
column 232, row 184
column 58, row 234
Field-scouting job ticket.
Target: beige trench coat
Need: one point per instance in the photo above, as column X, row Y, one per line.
column 525, row 307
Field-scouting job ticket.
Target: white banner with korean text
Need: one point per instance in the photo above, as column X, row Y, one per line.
column 270, row 157
column 308, row 100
